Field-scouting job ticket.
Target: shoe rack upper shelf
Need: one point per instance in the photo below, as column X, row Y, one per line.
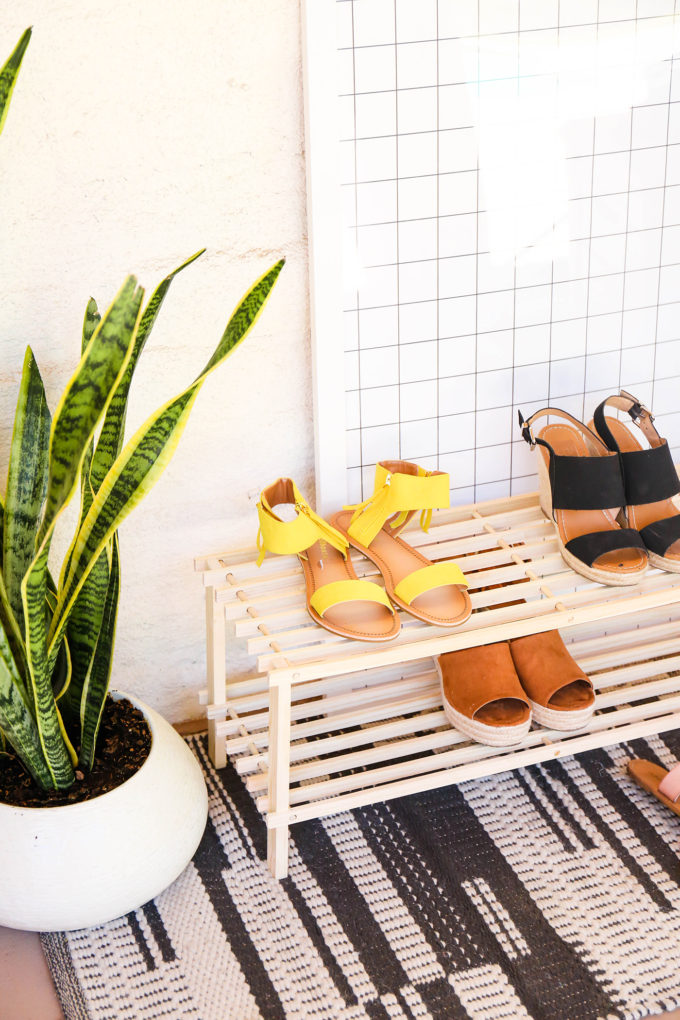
column 518, row 583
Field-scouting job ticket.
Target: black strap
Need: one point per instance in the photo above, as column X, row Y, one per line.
column 588, row 548
column 660, row 535
column 635, row 410
column 649, row 475
column 586, row 483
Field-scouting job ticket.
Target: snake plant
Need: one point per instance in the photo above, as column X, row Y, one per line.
column 56, row 637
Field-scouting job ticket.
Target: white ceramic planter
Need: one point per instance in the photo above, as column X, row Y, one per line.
column 83, row 864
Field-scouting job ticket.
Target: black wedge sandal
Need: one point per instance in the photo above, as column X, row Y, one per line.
column 650, row 479
column 581, row 491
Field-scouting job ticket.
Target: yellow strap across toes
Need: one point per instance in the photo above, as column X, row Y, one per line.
column 348, row 591
column 437, row 575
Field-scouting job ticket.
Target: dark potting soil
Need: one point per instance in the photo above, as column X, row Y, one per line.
column 122, row 748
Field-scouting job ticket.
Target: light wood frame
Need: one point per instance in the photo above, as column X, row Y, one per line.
column 324, row 228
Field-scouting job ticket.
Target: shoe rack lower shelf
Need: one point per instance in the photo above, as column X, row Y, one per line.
column 317, row 724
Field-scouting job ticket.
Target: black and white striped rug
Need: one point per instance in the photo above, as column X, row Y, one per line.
column 551, row 893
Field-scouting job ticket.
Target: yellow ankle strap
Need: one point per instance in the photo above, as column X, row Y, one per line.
column 400, row 489
column 294, row 536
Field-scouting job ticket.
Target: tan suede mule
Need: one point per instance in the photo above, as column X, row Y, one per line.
column 482, row 696
column 560, row 694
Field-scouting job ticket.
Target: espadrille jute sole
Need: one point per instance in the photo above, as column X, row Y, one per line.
column 565, row 720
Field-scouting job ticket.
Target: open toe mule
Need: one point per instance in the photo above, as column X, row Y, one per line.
column 663, row 785
column 560, row 694
column 482, row 696
column 433, row 592
column 581, row 490
column 336, row 598
column 650, row 479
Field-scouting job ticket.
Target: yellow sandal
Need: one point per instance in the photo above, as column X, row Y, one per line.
column 433, row 592
column 336, row 599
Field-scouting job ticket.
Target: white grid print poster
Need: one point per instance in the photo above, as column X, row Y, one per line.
column 511, row 223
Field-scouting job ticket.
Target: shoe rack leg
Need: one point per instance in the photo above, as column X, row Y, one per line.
column 279, row 776
column 217, row 674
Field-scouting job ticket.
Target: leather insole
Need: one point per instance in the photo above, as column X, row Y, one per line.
column 578, row 694
column 503, row 712
column 396, row 560
column 567, row 442
column 640, row 516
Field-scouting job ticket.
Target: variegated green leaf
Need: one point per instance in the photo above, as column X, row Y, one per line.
column 26, row 482
column 83, row 403
column 87, row 396
column 142, row 461
column 97, row 685
column 16, row 718
column 110, row 441
column 8, row 75
column 16, row 644
column 90, row 323
column 84, row 625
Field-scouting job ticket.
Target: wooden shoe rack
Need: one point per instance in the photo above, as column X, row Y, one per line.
column 317, row 724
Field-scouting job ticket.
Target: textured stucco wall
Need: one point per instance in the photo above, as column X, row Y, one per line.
column 138, row 133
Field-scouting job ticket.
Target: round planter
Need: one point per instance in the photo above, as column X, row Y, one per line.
column 83, row 864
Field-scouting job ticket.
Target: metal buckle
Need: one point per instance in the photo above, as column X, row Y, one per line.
column 637, row 408
column 526, row 430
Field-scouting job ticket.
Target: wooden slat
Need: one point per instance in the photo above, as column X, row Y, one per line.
column 475, row 770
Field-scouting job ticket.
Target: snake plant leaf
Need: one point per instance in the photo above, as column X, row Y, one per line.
column 9, row 73
column 87, row 395
column 144, row 458
column 95, row 691
column 110, row 441
column 90, row 323
column 16, row 643
column 61, row 674
column 16, row 719
column 84, row 626
column 82, row 405
column 26, row 482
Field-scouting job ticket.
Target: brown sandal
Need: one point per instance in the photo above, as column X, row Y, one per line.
column 560, row 694
column 433, row 592
column 336, row 599
column 482, row 696
column 663, row 785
